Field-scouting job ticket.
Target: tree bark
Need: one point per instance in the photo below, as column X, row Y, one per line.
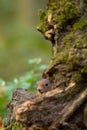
column 63, row 107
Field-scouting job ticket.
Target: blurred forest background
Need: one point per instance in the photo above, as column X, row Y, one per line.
column 19, row 38
column 24, row 52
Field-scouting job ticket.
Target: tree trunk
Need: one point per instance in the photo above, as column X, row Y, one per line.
column 63, row 107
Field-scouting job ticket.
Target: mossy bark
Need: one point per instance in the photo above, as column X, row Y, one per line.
column 64, row 23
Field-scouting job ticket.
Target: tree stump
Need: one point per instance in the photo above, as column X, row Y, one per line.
column 63, row 107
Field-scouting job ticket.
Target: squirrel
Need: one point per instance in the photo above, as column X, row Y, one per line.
column 43, row 86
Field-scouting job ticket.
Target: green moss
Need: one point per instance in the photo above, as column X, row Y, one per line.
column 53, row 5
column 83, row 70
column 42, row 16
column 73, row 63
column 73, row 92
column 62, row 11
column 59, row 58
column 76, row 77
column 80, row 24
column 65, row 12
column 67, row 38
column 62, row 58
column 79, row 45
